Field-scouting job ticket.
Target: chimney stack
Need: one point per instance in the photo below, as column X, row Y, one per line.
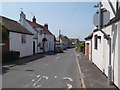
column 34, row 19
column 22, row 18
column 46, row 25
column 22, row 15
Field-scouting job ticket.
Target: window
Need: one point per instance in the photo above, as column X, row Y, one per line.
column 95, row 42
column 23, row 38
column 40, row 32
column 99, row 37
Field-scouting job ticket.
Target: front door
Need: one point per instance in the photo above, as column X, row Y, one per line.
column 87, row 49
column 33, row 47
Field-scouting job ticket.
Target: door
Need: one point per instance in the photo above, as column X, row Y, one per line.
column 33, row 47
column 88, row 49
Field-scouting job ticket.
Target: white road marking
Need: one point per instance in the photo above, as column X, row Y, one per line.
column 55, row 76
column 39, row 86
column 67, row 78
column 77, row 55
column 26, row 85
column 33, row 80
column 69, row 86
column 45, row 77
column 30, row 83
column 37, row 81
column 82, row 80
column 57, row 57
column 38, row 76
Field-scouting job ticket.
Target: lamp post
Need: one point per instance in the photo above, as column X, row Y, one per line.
column 99, row 5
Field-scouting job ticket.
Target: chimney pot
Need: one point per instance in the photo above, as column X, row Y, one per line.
column 34, row 19
column 46, row 25
column 22, row 15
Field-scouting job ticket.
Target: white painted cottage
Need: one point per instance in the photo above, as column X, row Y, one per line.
column 88, row 46
column 64, row 40
column 100, row 46
column 43, row 38
column 20, row 39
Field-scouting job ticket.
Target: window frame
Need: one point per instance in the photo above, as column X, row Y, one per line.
column 23, row 38
column 96, row 42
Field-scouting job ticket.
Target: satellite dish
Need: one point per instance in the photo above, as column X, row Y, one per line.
column 105, row 17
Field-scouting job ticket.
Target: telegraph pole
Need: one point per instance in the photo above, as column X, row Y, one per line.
column 59, row 35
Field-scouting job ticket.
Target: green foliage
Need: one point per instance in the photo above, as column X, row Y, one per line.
column 10, row 56
column 80, row 46
column 4, row 31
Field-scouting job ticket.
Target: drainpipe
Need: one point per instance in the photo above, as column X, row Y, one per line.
column 109, row 40
column 37, row 42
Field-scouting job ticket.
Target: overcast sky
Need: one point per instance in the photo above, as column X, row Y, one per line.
column 74, row 19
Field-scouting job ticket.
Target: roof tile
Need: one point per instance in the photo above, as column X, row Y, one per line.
column 14, row 26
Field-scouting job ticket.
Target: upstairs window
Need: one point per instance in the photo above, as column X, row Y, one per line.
column 40, row 32
column 23, row 38
column 95, row 42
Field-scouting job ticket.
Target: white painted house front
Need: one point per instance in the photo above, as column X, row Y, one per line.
column 88, row 46
column 20, row 39
column 100, row 46
column 64, row 41
column 43, row 38
column 24, row 47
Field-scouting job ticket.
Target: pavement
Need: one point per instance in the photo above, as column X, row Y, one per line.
column 52, row 71
column 91, row 75
column 24, row 60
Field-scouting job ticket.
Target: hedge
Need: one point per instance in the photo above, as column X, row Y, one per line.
column 8, row 56
column 81, row 46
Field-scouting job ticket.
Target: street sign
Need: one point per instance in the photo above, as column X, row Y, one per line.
column 105, row 17
column 96, row 19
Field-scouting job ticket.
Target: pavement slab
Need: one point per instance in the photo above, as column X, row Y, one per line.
column 91, row 74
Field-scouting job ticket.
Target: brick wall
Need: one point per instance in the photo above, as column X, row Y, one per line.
column 6, row 46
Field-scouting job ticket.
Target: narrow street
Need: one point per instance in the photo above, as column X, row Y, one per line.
column 52, row 71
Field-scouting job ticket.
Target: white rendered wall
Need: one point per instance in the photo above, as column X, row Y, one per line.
column 108, row 7
column 118, row 54
column 26, row 24
column 64, row 43
column 101, row 56
column 97, row 54
column 49, row 45
column 50, row 42
column 25, row 49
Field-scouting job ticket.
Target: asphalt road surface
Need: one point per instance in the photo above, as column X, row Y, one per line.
column 53, row 71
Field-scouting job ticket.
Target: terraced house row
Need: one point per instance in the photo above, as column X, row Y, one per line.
column 27, row 37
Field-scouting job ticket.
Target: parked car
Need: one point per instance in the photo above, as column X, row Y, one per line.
column 71, row 46
column 58, row 48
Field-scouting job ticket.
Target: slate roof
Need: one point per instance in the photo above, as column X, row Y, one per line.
column 14, row 26
column 36, row 25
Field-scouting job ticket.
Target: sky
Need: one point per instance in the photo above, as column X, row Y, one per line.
column 74, row 19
